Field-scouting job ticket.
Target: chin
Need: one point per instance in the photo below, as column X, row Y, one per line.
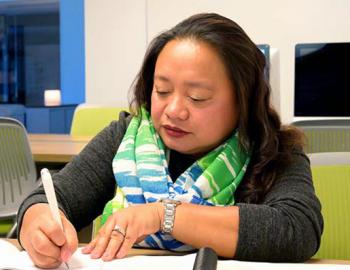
column 183, row 150
column 179, row 145
column 176, row 147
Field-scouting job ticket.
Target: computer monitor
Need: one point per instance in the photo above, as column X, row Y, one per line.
column 322, row 80
column 265, row 49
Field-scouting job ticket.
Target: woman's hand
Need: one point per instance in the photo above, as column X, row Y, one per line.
column 46, row 243
column 136, row 222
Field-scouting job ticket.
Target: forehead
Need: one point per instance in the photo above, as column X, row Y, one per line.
column 189, row 54
column 188, row 46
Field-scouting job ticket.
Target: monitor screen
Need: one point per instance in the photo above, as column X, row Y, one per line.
column 322, row 80
column 265, row 49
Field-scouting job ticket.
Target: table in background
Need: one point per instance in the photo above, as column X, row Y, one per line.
column 56, row 148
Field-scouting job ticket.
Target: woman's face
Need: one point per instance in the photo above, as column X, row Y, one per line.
column 194, row 105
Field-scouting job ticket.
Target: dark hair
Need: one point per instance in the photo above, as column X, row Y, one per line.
column 259, row 124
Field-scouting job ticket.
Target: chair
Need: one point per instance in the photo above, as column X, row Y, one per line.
column 17, row 172
column 331, row 176
column 88, row 120
column 326, row 135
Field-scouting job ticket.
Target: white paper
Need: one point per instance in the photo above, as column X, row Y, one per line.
column 238, row 265
column 6, row 248
column 12, row 258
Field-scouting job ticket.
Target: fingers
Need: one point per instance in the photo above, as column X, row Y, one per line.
column 43, row 261
column 120, row 242
column 50, row 245
column 43, row 252
column 43, row 246
column 140, row 239
column 89, row 247
column 124, row 228
column 53, row 232
column 108, row 241
column 71, row 243
column 129, row 240
column 100, row 243
column 113, row 246
column 43, row 238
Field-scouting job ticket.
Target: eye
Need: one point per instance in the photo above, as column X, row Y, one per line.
column 198, row 100
column 162, row 92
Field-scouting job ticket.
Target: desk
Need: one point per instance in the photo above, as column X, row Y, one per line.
column 56, row 148
column 133, row 251
column 136, row 251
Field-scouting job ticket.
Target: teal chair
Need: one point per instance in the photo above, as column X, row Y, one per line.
column 331, row 176
column 88, row 120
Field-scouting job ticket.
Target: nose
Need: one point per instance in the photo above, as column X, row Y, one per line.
column 176, row 109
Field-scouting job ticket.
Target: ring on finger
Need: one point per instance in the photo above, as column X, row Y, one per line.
column 119, row 230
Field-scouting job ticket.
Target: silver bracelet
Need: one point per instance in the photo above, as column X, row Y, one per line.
column 169, row 215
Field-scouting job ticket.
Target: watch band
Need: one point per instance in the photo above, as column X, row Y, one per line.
column 169, row 214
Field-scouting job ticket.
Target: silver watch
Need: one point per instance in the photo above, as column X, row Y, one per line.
column 169, row 214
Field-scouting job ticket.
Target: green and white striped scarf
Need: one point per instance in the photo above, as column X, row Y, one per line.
column 141, row 171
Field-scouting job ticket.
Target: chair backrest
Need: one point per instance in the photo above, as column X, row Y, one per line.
column 17, row 169
column 88, row 120
column 332, row 186
column 326, row 135
column 329, row 158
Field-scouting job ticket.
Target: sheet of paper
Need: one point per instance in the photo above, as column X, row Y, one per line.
column 11, row 258
column 153, row 262
column 238, row 265
column 7, row 248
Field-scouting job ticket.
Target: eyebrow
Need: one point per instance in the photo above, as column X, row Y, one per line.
column 161, row 78
column 187, row 83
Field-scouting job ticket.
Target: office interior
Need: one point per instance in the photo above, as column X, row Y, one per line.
column 99, row 46
column 91, row 50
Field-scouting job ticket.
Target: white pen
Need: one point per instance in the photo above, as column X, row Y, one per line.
column 51, row 197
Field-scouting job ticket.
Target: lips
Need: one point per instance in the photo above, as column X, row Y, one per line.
column 174, row 131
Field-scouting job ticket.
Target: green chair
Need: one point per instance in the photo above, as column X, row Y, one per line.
column 88, row 120
column 332, row 185
column 326, row 135
column 5, row 227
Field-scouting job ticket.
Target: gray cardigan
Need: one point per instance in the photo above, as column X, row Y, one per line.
column 286, row 226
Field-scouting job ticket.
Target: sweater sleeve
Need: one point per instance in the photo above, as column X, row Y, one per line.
column 85, row 184
column 287, row 226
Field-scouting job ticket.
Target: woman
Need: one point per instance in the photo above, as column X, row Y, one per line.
column 203, row 136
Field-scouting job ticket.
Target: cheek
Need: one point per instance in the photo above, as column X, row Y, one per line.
column 219, row 122
column 155, row 112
